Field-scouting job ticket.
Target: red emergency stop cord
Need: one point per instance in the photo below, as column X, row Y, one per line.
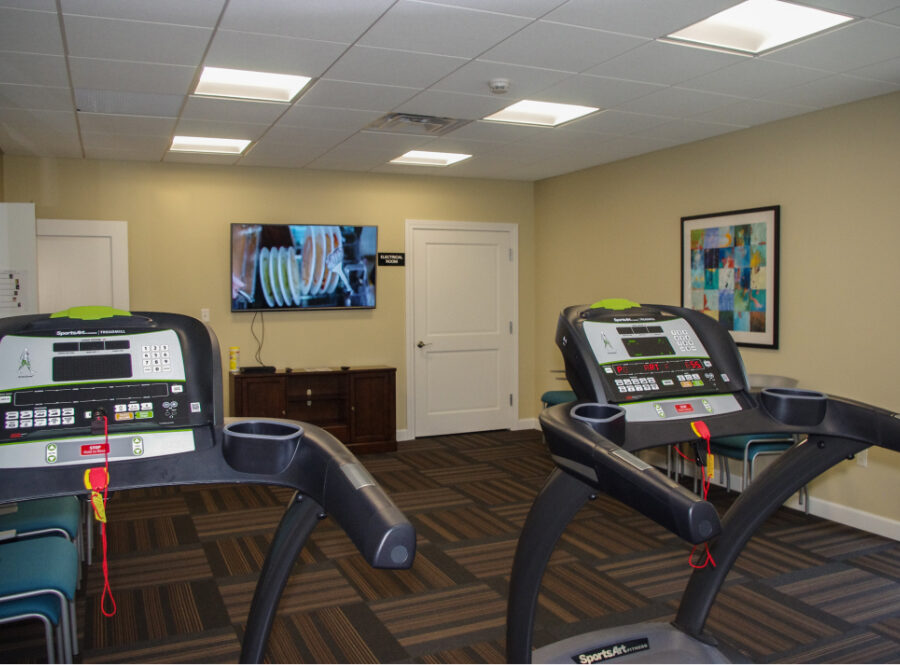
column 701, row 430
column 97, row 479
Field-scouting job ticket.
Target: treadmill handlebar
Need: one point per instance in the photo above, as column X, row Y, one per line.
column 589, row 455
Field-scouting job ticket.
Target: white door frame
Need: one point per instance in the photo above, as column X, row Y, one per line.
column 116, row 231
column 411, row 226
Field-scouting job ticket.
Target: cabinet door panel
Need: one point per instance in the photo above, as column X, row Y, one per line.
column 373, row 416
column 263, row 397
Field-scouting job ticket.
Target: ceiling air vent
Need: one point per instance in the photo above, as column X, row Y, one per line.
column 410, row 123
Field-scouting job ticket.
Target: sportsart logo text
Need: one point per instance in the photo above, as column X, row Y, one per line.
column 610, row 651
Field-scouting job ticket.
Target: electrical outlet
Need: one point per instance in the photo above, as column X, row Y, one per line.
column 204, row 314
column 863, row 458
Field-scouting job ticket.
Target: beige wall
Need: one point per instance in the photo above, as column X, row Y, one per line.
column 614, row 231
column 178, row 234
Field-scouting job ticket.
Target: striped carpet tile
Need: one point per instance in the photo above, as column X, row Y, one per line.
column 765, row 557
column 494, row 559
column 604, row 506
column 856, row 647
column 574, row 591
column 444, row 619
column 312, row 588
column 481, row 652
column 238, row 522
column 494, row 452
column 419, row 501
column 374, row 584
column 830, row 539
column 136, row 508
column 464, row 473
column 500, row 491
column 147, row 534
column 348, row 634
column 889, row 628
column 532, row 466
column 432, row 459
column 212, row 646
column 760, row 624
column 155, row 613
column 222, row 498
column 330, row 541
column 655, row 574
column 139, row 569
column 514, row 513
column 599, row 539
column 854, row 595
column 405, row 480
column 460, row 524
column 241, row 556
column 883, row 562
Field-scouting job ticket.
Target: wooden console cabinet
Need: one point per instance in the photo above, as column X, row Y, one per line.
column 357, row 405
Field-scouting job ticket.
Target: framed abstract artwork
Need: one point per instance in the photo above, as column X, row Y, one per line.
column 729, row 271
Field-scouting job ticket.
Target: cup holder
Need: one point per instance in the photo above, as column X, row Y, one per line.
column 793, row 406
column 260, row 446
column 608, row 420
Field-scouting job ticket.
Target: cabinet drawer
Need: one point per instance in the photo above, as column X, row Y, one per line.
column 318, row 411
column 316, row 384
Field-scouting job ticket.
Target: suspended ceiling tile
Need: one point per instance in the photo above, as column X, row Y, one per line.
column 749, row 112
column 618, row 122
column 199, row 158
column 666, row 64
column 847, row 48
column 888, row 70
column 203, row 13
column 127, row 103
column 752, row 77
column 524, row 82
column 15, row 96
column 431, row 28
column 833, row 90
column 220, row 129
column 540, row 45
column 43, row 133
column 864, row 8
column 337, row 119
column 686, row 131
column 329, row 20
column 33, row 69
column 271, row 53
column 599, row 91
column 355, row 96
column 97, row 74
column 495, row 132
column 366, row 64
column 149, row 147
column 648, row 18
column 97, row 123
column 526, row 8
column 137, row 41
column 232, row 110
column 30, row 31
column 677, row 102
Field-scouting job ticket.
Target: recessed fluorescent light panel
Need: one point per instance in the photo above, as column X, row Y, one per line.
column 425, row 158
column 243, row 84
column 545, row 114
column 209, row 145
column 755, row 26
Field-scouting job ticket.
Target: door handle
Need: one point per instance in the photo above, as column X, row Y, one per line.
column 422, row 344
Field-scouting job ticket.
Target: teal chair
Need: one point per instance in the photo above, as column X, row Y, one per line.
column 554, row 397
column 38, row 577
column 749, row 448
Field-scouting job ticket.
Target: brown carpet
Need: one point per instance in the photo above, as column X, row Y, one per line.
column 184, row 563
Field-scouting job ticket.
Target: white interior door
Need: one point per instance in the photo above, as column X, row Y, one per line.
column 82, row 262
column 462, row 335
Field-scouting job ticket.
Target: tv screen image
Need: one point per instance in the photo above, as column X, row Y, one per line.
column 302, row 266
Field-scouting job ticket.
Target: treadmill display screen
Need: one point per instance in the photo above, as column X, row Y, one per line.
column 92, row 368
column 642, row 347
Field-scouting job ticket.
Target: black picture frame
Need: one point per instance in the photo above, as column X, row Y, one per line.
column 730, row 271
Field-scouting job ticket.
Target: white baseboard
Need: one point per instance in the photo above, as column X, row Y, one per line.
column 527, row 423
column 404, row 435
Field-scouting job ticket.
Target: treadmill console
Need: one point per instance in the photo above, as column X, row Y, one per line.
column 149, row 375
column 656, row 362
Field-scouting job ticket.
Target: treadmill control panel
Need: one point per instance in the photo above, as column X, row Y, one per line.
column 647, row 359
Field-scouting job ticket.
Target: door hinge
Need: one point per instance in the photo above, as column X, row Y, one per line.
column 510, row 328
column 510, row 254
column 510, row 399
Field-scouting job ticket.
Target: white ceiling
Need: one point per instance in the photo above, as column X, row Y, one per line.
column 111, row 79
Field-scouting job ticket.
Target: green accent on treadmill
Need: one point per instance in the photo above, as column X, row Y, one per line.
column 615, row 303
column 89, row 313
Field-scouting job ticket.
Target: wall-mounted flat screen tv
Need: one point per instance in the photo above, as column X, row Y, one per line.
column 302, row 266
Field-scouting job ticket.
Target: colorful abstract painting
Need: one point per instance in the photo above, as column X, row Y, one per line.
column 729, row 271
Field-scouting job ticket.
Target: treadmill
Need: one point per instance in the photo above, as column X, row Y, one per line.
column 645, row 376
column 143, row 390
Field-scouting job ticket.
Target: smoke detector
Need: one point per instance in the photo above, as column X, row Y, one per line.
column 499, row 86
